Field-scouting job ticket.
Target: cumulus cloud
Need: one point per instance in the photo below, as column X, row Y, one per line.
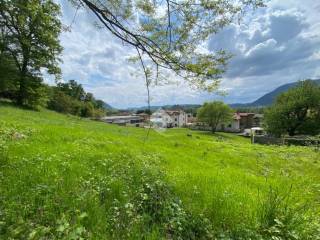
column 276, row 45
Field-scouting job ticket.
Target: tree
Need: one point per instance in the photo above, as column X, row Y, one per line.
column 72, row 89
column 214, row 113
column 30, row 31
column 8, row 77
column 8, row 70
column 61, row 102
column 167, row 34
column 70, row 97
column 296, row 111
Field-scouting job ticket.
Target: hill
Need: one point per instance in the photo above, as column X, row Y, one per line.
column 63, row 177
column 107, row 106
column 168, row 107
column 268, row 98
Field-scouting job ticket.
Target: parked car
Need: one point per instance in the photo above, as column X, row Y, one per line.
column 253, row 132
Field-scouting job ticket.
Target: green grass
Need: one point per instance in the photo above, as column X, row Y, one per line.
column 62, row 177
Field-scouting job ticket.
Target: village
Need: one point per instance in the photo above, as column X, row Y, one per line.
column 240, row 123
column 159, row 120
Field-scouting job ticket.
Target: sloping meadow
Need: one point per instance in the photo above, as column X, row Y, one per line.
column 63, row 177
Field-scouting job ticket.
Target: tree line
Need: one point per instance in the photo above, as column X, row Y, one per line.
column 295, row 112
column 30, row 46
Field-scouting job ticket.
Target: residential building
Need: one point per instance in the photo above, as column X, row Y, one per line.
column 239, row 122
column 242, row 121
column 168, row 119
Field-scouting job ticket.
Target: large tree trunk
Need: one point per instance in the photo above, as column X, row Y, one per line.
column 22, row 92
column 291, row 132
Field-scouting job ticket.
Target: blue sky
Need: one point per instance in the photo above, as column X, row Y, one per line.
column 275, row 45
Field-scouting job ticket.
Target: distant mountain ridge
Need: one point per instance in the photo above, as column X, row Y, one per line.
column 263, row 101
column 167, row 107
column 107, row 106
column 269, row 98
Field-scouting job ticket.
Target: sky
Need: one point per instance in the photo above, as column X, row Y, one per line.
column 274, row 45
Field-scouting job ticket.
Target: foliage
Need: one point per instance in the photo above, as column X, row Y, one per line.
column 72, row 89
column 281, row 217
column 296, row 111
column 167, row 34
column 29, row 34
column 63, row 177
column 214, row 113
column 8, row 76
column 71, row 98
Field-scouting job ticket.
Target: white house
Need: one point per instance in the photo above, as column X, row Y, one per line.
column 167, row 119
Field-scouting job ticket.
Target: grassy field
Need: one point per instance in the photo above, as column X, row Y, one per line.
column 63, row 177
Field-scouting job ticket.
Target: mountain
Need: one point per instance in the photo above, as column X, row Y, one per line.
column 107, row 106
column 167, row 107
column 268, row 98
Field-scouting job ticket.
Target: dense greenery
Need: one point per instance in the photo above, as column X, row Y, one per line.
column 296, row 111
column 214, row 113
column 71, row 98
column 62, row 177
column 29, row 39
column 29, row 44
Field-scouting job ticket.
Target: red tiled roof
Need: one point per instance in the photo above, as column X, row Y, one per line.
column 173, row 112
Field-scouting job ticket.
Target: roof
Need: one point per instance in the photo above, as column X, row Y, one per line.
column 239, row 115
column 120, row 117
column 173, row 112
column 142, row 114
column 236, row 116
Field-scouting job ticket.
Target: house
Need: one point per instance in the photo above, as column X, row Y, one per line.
column 145, row 116
column 239, row 122
column 130, row 120
column 190, row 118
column 167, row 119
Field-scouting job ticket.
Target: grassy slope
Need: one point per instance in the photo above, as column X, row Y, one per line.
column 63, row 162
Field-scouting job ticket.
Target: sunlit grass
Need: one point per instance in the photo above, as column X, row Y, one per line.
column 62, row 176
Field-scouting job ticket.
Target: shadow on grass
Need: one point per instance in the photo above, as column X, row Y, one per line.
column 6, row 102
column 9, row 103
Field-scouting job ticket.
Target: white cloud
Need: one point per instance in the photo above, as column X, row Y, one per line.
column 281, row 45
column 261, row 48
column 275, row 45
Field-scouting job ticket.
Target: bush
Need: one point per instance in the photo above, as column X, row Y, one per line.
column 282, row 218
column 71, row 98
column 63, row 103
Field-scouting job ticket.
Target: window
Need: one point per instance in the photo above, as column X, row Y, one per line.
column 176, row 119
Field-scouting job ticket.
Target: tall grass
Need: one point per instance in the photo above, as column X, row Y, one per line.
column 62, row 177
